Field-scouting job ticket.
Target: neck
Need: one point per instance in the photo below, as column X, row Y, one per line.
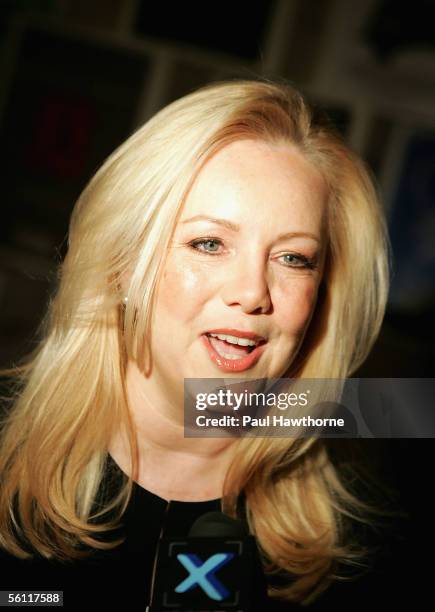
column 170, row 465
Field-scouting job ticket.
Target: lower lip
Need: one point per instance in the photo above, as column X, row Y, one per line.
column 233, row 365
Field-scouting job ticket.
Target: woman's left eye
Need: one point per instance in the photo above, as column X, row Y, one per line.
column 298, row 261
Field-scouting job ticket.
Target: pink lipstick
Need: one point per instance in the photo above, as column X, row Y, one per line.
column 237, row 364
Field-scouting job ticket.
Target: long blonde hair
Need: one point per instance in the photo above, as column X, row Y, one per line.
column 68, row 396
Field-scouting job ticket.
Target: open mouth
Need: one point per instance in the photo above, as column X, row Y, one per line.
column 231, row 348
column 231, row 353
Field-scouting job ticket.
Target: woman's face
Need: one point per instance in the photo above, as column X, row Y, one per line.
column 245, row 263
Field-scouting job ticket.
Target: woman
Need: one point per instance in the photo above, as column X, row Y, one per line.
column 232, row 211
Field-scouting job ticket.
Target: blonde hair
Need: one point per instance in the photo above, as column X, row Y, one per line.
column 69, row 395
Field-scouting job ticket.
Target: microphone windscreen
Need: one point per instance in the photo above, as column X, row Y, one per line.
column 217, row 524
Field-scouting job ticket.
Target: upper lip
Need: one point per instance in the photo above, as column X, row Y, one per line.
column 237, row 332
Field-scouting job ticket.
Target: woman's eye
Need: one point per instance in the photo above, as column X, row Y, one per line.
column 298, row 261
column 206, row 245
column 212, row 246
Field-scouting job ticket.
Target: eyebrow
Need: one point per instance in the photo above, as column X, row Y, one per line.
column 235, row 227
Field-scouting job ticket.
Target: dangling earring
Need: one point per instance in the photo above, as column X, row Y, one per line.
column 125, row 300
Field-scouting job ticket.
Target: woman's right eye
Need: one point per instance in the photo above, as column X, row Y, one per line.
column 206, row 245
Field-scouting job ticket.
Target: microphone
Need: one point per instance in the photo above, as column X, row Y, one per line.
column 216, row 567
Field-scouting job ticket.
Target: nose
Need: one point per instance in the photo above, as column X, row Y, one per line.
column 247, row 286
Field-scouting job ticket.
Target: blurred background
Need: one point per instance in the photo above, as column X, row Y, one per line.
column 78, row 76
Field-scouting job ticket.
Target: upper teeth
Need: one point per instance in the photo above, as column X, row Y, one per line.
column 234, row 339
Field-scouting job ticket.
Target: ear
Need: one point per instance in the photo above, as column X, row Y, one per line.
column 123, row 284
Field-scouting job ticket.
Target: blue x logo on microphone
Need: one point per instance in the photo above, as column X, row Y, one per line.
column 202, row 574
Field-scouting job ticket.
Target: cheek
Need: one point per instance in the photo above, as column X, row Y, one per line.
column 294, row 306
column 183, row 287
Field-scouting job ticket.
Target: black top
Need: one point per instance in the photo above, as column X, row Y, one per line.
column 122, row 576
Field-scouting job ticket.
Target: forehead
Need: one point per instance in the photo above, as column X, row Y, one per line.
column 251, row 175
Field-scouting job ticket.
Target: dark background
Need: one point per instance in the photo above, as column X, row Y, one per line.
column 77, row 77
